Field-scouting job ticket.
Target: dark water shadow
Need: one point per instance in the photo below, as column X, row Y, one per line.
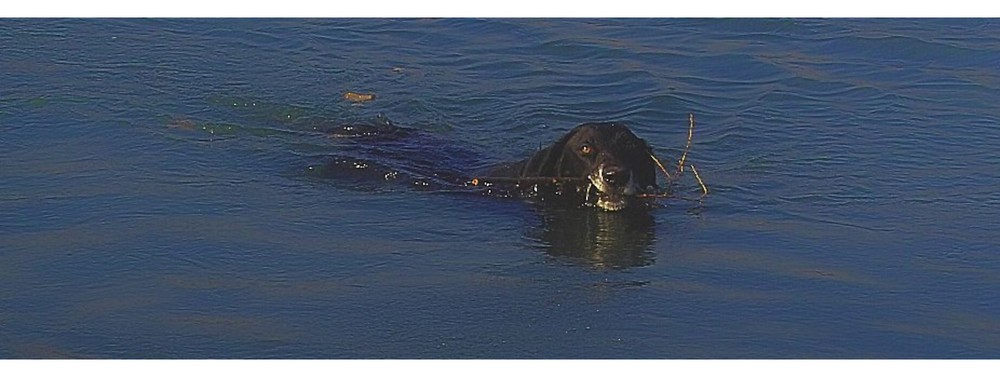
column 595, row 238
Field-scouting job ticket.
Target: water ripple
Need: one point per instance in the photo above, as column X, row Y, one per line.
column 138, row 147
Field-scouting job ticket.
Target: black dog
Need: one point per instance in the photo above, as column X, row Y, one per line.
column 607, row 157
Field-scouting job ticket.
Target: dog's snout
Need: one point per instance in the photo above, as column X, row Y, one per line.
column 614, row 174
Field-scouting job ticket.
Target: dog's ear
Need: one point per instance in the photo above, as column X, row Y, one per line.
column 548, row 162
column 539, row 163
column 640, row 158
column 645, row 170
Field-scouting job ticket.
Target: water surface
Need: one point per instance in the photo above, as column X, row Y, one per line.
column 155, row 201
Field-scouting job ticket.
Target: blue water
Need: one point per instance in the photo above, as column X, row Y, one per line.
column 154, row 201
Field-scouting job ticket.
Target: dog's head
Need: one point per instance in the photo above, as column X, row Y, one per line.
column 616, row 162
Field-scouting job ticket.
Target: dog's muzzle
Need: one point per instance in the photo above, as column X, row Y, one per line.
column 614, row 186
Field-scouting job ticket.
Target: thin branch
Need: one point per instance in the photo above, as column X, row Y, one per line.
column 660, row 165
column 485, row 181
column 680, row 163
column 704, row 189
column 654, row 195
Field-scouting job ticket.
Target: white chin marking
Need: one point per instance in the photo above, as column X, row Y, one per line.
column 607, row 202
column 611, row 205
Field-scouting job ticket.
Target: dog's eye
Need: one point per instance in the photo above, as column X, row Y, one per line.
column 586, row 149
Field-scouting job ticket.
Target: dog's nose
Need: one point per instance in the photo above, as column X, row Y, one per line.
column 615, row 174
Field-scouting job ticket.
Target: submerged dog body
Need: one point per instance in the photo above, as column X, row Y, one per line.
column 597, row 164
column 606, row 157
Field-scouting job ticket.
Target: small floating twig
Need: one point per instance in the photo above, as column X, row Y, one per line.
column 359, row 97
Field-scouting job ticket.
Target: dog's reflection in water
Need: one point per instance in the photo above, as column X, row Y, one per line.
column 599, row 239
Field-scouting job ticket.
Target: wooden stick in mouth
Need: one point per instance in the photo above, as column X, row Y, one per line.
column 480, row 181
column 687, row 147
column 660, row 165
column 654, row 195
column 680, row 165
column 704, row 189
